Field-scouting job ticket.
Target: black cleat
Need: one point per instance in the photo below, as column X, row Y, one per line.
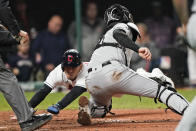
column 36, row 122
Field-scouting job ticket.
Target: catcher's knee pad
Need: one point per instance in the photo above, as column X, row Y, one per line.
column 172, row 99
column 100, row 111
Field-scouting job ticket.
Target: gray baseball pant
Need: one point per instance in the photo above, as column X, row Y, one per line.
column 188, row 121
column 191, row 36
column 115, row 78
column 14, row 94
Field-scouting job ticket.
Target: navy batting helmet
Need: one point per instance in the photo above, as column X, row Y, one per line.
column 71, row 58
column 117, row 13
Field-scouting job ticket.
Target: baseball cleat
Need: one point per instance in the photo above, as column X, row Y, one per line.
column 35, row 122
column 84, row 117
column 54, row 109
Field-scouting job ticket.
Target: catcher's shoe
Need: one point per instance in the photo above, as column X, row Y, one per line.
column 35, row 122
column 84, row 117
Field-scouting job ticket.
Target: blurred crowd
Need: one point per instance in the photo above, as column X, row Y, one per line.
column 159, row 33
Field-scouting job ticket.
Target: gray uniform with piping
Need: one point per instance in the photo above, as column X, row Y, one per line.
column 109, row 75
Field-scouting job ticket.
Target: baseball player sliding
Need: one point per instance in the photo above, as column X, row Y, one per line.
column 109, row 73
column 70, row 70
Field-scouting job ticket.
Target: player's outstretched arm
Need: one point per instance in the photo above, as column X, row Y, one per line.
column 75, row 92
column 40, row 96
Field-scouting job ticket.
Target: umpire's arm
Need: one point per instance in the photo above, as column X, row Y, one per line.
column 6, row 37
column 7, row 18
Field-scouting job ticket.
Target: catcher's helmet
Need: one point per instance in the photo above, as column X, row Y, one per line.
column 117, row 13
column 71, row 58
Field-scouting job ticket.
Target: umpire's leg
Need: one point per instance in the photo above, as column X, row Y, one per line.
column 14, row 94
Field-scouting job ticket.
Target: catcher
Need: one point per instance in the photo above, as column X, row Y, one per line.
column 10, row 34
column 109, row 73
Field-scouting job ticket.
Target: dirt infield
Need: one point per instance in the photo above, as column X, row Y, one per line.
column 134, row 120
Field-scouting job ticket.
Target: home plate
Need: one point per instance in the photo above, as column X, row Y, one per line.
column 3, row 127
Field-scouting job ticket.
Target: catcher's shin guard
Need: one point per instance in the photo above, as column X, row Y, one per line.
column 172, row 99
column 101, row 111
column 84, row 117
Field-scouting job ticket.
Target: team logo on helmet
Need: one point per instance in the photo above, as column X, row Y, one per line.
column 71, row 58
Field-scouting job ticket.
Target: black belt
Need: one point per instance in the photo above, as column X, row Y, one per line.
column 108, row 44
column 103, row 64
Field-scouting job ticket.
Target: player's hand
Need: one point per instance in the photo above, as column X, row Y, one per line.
column 24, row 37
column 145, row 53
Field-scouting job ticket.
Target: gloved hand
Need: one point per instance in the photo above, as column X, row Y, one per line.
column 22, row 37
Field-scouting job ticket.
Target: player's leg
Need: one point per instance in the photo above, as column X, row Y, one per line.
column 90, row 109
column 16, row 99
column 116, row 78
column 14, row 95
column 191, row 32
column 156, row 74
column 191, row 66
column 99, row 111
column 135, row 84
column 100, row 101
column 188, row 120
column 191, row 36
